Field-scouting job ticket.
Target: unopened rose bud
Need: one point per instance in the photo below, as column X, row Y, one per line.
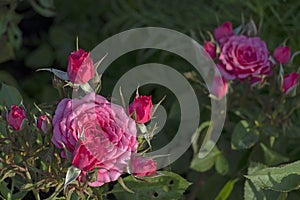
column 290, row 82
column 43, row 123
column 282, row 54
column 219, row 87
column 80, row 67
column 211, row 49
column 223, row 32
column 16, row 117
column 141, row 109
column 142, row 166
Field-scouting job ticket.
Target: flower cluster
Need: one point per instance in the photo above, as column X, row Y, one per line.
column 96, row 134
column 242, row 57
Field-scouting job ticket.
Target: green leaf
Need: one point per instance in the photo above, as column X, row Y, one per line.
column 269, row 130
column 60, row 74
column 204, row 164
column 271, row 157
column 243, row 137
column 251, row 191
column 222, row 165
column 6, row 50
column 72, row 174
column 6, row 77
column 14, row 35
column 170, row 186
column 3, row 188
column 9, row 96
column 19, row 195
column 284, row 178
column 226, row 190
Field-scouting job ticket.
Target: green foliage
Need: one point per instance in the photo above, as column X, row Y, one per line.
column 168, row 186
column 243, row 136
column 9, row 96
column 72, row 175
column 226, row 190
column 284, row 178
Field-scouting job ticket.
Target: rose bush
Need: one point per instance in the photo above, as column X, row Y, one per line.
column 99, row 135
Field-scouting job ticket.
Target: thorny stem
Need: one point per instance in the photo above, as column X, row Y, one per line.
column 35, row 192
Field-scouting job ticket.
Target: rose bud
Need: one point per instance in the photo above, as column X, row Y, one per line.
column 282, row 54
column 80, row 67
column 142, row 166
column 223, row 32
column 16, row 117
column 290, row 82
column 219, row 87
column 43, row 123
column 141, row 109
column 210, row 48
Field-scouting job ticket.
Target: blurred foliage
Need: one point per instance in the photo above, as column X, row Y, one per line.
column 41, row 33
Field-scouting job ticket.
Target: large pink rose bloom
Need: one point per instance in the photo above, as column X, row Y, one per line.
column 242, row 57
column 98, row 133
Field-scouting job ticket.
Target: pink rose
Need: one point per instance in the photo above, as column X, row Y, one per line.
column 210, row 48
column 98, row 133
column 43, row 123
column 141, row 108
column 219, row 87
column 80, row 67
column 290, row 82
column 223, row 32
column 242, row 57
column 142, row 166
column 282, row 54
column 16, row 117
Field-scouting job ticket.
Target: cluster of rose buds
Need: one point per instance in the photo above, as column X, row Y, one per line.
column 16, row 119
column 243, row 57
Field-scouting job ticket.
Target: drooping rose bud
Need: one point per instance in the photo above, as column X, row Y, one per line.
column 43, row 123
column 80, row 67
column 141, row 109
column 16, row 117
column 290, row 82
column 282, row 54
column 223, row 32
column 219, row 87
column 210, row 48
column 142, row 166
